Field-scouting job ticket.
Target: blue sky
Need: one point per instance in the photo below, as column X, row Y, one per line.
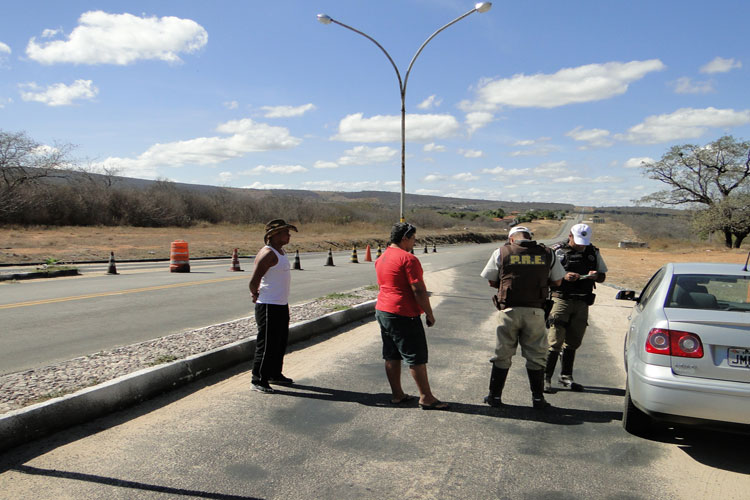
column 531, row 101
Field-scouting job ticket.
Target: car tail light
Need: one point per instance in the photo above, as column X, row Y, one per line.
column 674, row 343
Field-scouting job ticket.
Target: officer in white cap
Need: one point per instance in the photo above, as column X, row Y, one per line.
column 568, row 319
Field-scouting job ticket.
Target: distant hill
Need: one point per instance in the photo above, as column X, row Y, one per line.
column 386, row 198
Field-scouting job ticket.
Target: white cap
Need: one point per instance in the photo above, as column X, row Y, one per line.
column 519, row 229
column 581, row 234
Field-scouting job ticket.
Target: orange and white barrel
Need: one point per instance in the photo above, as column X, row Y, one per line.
column 179, row 258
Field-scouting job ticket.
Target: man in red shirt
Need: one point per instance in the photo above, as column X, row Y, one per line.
column 402, row 299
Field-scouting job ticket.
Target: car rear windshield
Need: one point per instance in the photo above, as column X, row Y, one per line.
column 710, row 291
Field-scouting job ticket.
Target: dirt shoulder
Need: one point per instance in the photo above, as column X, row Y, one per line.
column 20, row 245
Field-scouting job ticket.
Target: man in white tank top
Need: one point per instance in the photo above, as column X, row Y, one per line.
column 269, row 286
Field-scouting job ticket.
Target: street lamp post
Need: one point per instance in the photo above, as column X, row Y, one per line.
column 325, row 19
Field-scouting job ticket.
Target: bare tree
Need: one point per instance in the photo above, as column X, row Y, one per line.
column 703, row 176
column 23, row 162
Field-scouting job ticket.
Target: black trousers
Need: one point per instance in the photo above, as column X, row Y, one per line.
column 270, row 346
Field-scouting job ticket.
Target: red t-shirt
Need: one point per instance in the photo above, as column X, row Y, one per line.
column 397, row 270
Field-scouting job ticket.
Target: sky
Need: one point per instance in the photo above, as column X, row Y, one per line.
column 543, row 101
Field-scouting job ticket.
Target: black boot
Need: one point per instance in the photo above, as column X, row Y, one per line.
column 566, row 370
column 552, row 357
column 536, row 383
column 497, row 382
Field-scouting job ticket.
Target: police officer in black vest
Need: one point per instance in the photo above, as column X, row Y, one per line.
column 522, row 271
column 568, row 319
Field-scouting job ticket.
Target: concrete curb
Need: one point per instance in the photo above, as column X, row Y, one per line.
column 26, row 424
column 38, row 274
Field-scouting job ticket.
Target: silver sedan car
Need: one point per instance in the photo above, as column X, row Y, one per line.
column 687, row 350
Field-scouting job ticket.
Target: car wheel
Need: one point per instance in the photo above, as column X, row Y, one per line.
column 634, row 420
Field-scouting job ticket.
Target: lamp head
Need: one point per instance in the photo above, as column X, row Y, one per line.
column 324, row 18
column 481, row 7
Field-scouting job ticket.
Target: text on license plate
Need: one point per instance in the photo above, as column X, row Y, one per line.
column 738, row 357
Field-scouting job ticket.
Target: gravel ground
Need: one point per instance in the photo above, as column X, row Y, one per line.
column 33, row 386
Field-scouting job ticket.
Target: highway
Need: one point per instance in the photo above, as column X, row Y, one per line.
column 50, row 320
column 334, row 435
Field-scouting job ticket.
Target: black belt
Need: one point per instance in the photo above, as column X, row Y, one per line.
column 565, row 296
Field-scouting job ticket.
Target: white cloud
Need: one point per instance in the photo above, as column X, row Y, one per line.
column 595, row 137
column 592, row 82
column 225, row 177
column 686, row 85
column 531, row 142
column 379, row 128
column 325, row 164
column 286, row 111
column 464, row 177
column 4, row 49
column 429, row 192
column 276, row 169
column 720, row 65
column 103, row 38
column 365, row 155
column 231, row 105
column 552, row 169
column 501, row 173
column 59, row 94
column 636, row 162
column 685, row 123
column 429, row 148
column 431, row 102
column 49, row 33
column 433, row 178
column 470, row 153
column 260, row 185
column 478, row 119
column 243, row 137
column 352, row 186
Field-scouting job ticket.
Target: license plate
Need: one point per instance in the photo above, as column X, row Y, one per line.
column 738, row 357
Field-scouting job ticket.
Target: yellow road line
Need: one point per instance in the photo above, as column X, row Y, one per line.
column 121, row 292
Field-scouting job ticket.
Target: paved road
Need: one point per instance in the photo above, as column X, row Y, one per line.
column 334, row 435
column 50, row 320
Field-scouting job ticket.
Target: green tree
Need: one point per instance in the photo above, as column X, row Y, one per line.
column 704, row 176
column 733, row 212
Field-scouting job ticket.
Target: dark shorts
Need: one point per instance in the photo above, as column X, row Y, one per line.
column 403, row 338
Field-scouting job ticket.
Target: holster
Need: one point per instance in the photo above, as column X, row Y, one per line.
column 590, row 299
column 495, row 301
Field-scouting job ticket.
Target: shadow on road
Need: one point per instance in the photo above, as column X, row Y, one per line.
column 122, row 483
column 721, row 450
column 605, row 391
column 554, row 415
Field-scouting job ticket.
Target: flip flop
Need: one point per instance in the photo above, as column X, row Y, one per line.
column 436, row 405
column 406, row 399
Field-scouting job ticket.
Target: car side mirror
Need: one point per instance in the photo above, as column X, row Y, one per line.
column 625, row 295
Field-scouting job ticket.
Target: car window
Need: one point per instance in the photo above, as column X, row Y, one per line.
column 708, row 291
column 651, row 286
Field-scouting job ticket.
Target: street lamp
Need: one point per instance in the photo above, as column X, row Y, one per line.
column 325, row 19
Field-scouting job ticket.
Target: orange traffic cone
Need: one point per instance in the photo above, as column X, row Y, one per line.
column 235, row 262
column 368, row 255
column 297, row 264
column 112, row 267
column 329, row 262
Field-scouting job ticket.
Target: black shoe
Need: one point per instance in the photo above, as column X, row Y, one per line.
column 280, row 380
column 568, row 382
column 548, row 389
column 540, row 403
column 494, row 401
column 262, row 387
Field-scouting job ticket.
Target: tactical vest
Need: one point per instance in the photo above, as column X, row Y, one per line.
column 576, row 262
column 524, row 275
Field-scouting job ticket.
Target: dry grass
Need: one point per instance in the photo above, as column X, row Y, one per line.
column 629, row 268
column 75, row 244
